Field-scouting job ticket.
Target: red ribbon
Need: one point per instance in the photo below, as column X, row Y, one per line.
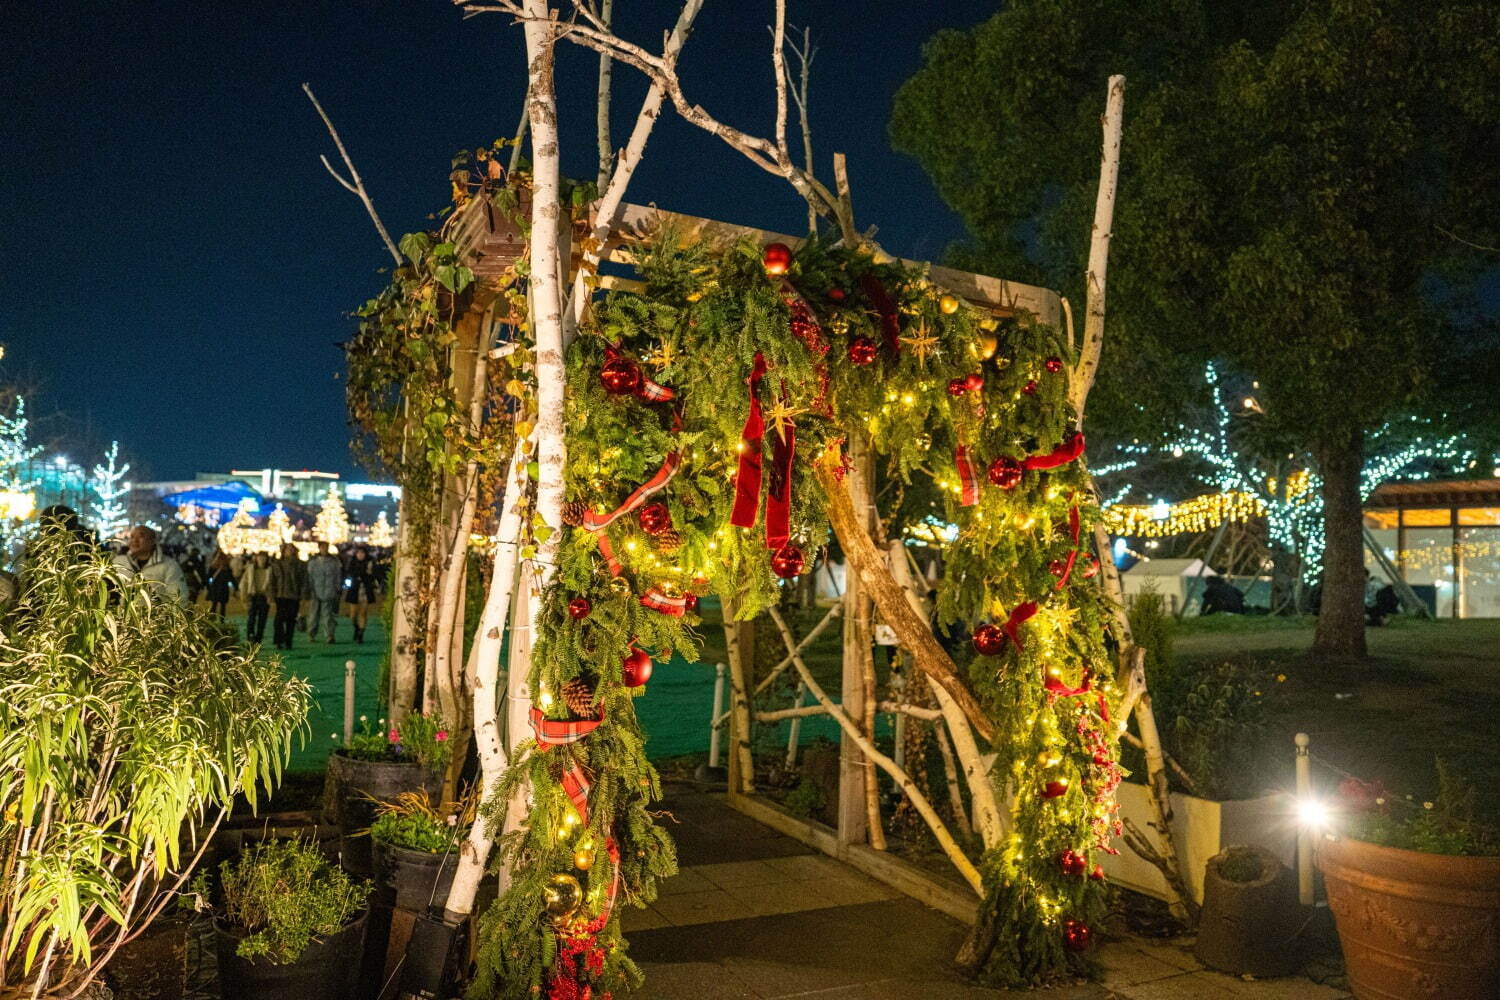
column 1073, row 526
column 1058, row 689
column 779, row 490
column 1061, row 455
column 1017, row 618
column 968, row 494
column 747, row 477
column 890, row 320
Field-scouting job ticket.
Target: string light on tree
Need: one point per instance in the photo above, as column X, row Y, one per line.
column 107, row 484
column 381, row 535
column 332, row 525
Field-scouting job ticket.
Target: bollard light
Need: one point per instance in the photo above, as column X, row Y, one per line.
column 1312, row 813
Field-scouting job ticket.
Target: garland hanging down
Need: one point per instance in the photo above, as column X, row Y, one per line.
column 699, row 479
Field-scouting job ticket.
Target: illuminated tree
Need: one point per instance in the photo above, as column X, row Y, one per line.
column 108, row 485
column 381, row 535
column 332, row 525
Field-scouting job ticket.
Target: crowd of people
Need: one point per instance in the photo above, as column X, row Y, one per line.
column 291, row 594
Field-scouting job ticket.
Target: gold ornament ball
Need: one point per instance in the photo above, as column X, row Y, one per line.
column 583, row 859
column 948, row 304
column 989, row 343
column 1048, row 758
column 619, row 586
column 563, row 895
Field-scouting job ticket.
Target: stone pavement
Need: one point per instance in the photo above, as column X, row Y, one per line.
column 755, row 915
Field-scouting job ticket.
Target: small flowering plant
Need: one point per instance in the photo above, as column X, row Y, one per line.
column 1370, row 813
column 420, row 738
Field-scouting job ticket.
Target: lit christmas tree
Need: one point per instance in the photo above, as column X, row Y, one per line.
column 16, row 452
column 381, row 535
column 108, row 486
column 332, row 525
column 280, row 525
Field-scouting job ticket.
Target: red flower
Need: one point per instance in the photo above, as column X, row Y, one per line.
column 441, row 736
column 394, row 736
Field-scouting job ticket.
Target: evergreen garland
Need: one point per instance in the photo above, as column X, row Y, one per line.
column 697, row 326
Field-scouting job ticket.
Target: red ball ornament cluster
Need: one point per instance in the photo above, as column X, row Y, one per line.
column 690, row 601
column 863, row 351
column 1053, row 365
column 1057, row 567
column 989, row 640
column 1076, row 935
column 788, row 562
column 1070, row 862
column 655, row 519
column 579, row 608
column 1005, row 472
column 1030, row 387
column 635, row 669
column 620, row 376
column 777, row 259
column 957, row 386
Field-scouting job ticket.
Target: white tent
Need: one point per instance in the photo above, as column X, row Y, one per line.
column 1174, row 579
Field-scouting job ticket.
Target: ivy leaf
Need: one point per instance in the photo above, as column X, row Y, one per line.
column 414, row 245
column 444, row 273
column 543, row 532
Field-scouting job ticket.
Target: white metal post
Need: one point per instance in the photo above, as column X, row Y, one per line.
column 717, row 720
column 795, row 736
column 1305, row 832
column 348, row 701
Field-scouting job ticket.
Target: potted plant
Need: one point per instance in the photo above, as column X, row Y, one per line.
column 128, row 727
column 1248, row 926
column 377, row 766
column 415, row 847
column 1415, row 892
column 289, row 925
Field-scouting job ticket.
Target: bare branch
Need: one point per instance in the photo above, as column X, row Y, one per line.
column 601, row 117
column 337, row 176
column 778, row 65
column 1468, row 243
column 354, row 184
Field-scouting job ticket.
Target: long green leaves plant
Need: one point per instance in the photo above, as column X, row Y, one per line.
column 128, row 726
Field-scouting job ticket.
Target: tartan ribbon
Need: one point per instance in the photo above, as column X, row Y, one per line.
column 596, row 523
column 968, row 492
column 656, row 600
column 747, row 478
column 561, row 732
column 579, row 953
column 890, row 320
column 655, row 392
column 1064, row 453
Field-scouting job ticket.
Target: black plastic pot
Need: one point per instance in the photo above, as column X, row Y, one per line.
column 419, row 878
column 347, row 795
column 1249, row 926
column 328, row 968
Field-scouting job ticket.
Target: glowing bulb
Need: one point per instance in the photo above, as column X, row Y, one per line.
column 546, row 699
column 1312, row 813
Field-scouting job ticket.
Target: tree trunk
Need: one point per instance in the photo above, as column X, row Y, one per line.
column 1341, row 617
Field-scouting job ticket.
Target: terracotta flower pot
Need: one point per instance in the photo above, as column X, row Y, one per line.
column 1414, row 925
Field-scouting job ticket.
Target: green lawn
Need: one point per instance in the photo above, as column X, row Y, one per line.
column 1428, row 690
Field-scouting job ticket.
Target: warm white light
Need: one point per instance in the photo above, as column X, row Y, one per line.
column 1312, row 813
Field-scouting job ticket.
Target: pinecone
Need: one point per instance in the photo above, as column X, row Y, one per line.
column 572, row 513
column 668, row 541
column 578, row 695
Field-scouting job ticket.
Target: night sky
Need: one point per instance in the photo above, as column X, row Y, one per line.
column 179, row 268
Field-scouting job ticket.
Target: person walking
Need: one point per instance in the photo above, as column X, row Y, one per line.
column 218, row 582
column 325, row 577
column 144, row 559
column 288, row 587
column 255, row 587
column 360, row 593
column 195, row 573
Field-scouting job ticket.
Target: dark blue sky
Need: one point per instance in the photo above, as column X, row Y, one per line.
column 179, row 268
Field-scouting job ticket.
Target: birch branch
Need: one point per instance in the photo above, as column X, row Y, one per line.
column 601, row 111
column 1104, row 216
column 354, row 184
column 867, row 747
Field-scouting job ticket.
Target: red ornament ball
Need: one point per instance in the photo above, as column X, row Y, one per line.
column 802, row 324
column 1076, row 935
column 989, row 640
column 975, row 381
column 1090, row 566
column 620, row 376
column 788, row 561
column 1057, row 567
column 1053, row 365
column 1097, row 874
column 836, row 294
column 863, row 351
column 690, row 601
column 777, row 258
column 958, row 386
column 636, row 667
column 654, row 518
column 1054, row 788
column 1005, row 472
column 579, row 608
column 1072, row 863
column 1030, row 387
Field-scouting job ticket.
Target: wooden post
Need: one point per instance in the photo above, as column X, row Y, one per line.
column 853, row 806
column 1304, row 830
column 349, row 667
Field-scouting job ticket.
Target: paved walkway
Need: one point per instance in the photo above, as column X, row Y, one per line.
column 755, row 915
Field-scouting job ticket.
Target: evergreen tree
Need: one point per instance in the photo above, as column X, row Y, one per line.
column 332, row 525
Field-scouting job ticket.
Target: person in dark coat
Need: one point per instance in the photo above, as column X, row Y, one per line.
column 288, row 588
column 194, row 573
column 219, row 583
column 1220, row 595
column 359, row 592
